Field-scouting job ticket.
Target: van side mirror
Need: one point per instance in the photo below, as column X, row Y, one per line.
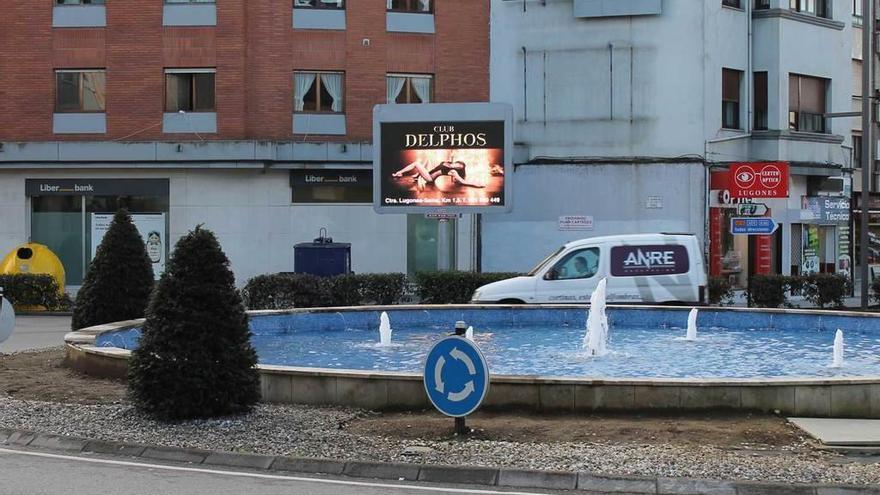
column 551, row 274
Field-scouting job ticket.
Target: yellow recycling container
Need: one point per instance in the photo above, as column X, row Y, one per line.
column 36, row 259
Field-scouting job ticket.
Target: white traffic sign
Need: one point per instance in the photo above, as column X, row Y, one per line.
column 751, row 210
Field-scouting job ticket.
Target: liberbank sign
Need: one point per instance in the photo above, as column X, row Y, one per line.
column 96, row 187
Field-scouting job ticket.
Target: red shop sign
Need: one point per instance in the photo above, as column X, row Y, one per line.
column 759, row 180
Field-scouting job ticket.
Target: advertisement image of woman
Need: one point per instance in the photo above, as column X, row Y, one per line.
column 456, row 170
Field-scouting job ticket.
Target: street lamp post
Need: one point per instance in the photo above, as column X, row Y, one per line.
column 867, row 136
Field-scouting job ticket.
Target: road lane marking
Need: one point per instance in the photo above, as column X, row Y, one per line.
column 243, row 474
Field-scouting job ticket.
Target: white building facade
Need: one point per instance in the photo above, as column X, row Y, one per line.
column 624, row 111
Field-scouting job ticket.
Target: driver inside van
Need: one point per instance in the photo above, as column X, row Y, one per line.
column 582, row 270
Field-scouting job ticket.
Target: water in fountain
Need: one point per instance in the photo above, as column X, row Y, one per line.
column 692, row 325
column 597, row 323
column 469, row 334
column 837, row 361
column 384, row 330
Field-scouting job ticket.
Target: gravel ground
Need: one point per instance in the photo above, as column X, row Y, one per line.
column 321, row 432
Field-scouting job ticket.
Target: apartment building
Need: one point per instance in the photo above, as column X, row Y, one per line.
column 630, row 112
column 252, row 117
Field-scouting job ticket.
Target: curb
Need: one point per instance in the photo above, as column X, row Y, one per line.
column 509, row 478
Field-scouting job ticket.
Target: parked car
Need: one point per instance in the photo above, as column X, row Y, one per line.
column 639, row 268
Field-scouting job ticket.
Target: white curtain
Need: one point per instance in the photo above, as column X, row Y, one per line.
column 422, row 87
column 333, row 84
column 302, row 82
column 394, row 87
column 426, row 5
column 389, row 5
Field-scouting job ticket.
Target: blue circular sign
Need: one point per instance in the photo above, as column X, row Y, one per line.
column 456, row 376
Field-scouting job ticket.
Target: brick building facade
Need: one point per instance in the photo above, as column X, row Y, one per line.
column 199, row 101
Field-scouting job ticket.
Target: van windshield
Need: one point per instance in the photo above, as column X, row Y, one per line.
column 534, row 271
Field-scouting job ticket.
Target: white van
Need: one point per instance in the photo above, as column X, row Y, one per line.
column 639, row 268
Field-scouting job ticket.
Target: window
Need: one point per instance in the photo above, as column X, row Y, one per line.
column 80, row 91
column 806, row 103
column 189, row 90
column 814, row 7
column 402, row 88
column 731, row 3
column 857, row 151
column 760, row 84
column 857, row 12
column 189, row 1
column 79, row 2
column 318, row 92
column 414, row 6
column 319, row 4
column 730, row 82
column 579, row 264
column 762, row 4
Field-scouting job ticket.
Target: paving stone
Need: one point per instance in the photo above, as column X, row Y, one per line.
column 58, row 442
column 239, row 460
column 455, row 474
column 175, row 454
column 616, row 485
column 20, row 438
column 305, row 465
column 554, row 480
column 380, row 470
column 114, row 448
column 685, row 486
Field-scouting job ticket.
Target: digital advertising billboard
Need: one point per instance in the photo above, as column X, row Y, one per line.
column 451, row 158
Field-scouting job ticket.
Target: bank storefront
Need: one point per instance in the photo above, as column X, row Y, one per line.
column 70, row 216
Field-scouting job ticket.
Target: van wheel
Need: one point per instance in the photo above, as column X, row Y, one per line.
column 511, row 301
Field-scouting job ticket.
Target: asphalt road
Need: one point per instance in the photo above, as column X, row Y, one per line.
column 36, row 332
column 38, row 473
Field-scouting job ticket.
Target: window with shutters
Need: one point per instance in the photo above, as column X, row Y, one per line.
column 730, row 84
column 807, row 103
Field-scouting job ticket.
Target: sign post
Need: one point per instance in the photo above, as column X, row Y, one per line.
column 456, row 378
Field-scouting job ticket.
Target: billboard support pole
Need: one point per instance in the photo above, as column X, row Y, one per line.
column 443, row 254
column 867, row 156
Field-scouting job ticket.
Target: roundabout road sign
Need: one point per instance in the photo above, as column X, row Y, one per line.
column 456, row 376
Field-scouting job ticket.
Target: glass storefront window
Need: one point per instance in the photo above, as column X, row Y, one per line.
column 58, row 223
column 421, row 243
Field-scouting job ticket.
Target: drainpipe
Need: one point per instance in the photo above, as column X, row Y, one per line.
column 750, row 90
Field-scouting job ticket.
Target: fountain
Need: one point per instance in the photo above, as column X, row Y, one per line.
column 837, row 361
column 597, row 323
column 384, row 330
column 692, row 325
column 469, row 334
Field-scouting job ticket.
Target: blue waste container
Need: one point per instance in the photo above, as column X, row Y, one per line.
column 322, row 257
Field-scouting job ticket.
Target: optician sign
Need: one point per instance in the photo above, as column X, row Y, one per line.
column 452, row 158
column 759, row 180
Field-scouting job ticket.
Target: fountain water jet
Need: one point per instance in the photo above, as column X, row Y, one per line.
column 837, row 361
column 597, row 323
column 469, row 334
column 692, row 325
column 384, row 330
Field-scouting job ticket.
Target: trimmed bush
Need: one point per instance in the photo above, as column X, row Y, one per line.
column 768, row 291
column 118, row 282
column 284, row 291
column 298, row 290
column 454, row 287
column 195, row 358
column 29, row 290
column 342, row 290
column 720, row 291
column 382, row 288
column 826, row 289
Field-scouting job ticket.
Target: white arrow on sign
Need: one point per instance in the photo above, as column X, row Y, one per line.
column 438, row 374
column 751, row 210
column 457, row 354
column 465, row 392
